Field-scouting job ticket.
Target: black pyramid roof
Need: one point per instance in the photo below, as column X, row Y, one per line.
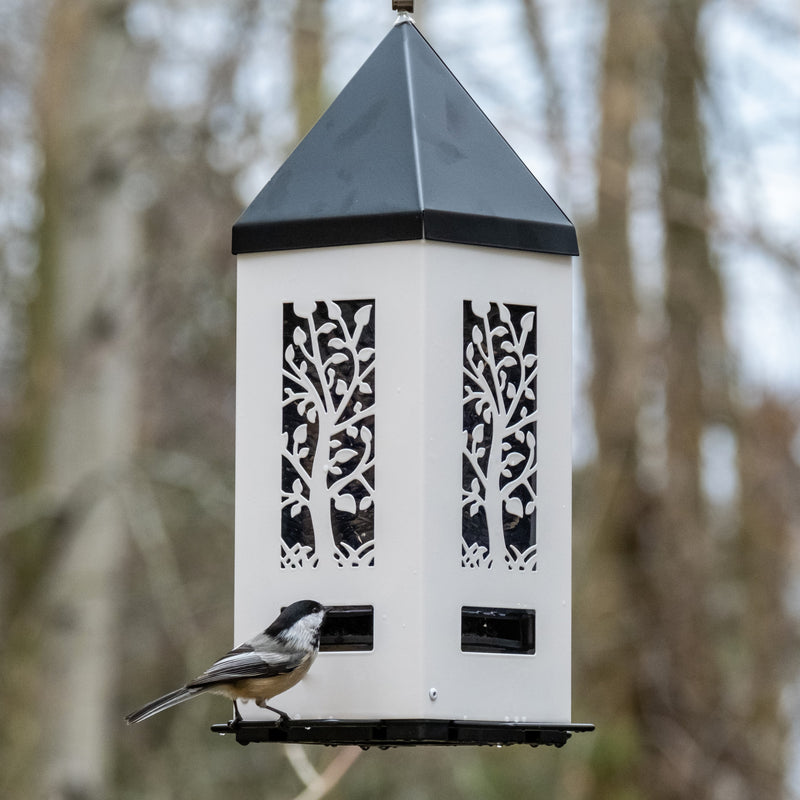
column 403, row 153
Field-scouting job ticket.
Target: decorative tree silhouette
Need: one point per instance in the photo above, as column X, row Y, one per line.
column 499, row 453
column 328, row 432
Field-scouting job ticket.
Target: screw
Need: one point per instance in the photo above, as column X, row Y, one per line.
column 433, row 693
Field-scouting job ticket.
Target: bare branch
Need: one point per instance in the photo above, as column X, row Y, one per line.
column 329, row 777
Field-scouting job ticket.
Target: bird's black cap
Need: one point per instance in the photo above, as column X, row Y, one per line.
column 293, row 613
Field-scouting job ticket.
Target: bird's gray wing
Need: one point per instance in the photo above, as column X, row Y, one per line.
column 263, row 660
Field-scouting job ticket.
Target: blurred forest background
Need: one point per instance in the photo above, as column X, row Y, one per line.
column 133, row 133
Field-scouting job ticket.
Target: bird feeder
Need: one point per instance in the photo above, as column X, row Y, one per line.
column 403, row 420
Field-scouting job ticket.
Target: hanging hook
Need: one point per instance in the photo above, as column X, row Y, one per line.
column 403, row 5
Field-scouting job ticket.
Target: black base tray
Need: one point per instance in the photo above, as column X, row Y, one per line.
column 385, row 733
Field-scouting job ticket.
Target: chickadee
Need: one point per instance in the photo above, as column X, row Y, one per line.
column 264, row 666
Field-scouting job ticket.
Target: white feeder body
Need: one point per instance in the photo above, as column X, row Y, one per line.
column 416, row 575
column 403, row 420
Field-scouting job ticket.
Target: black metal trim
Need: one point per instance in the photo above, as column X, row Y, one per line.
column 262, row 236
column 508, row 234
column 385, row 733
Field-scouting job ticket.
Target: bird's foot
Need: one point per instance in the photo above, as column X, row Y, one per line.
column 283, row 717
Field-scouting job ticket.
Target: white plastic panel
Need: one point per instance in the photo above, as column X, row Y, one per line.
column 483, row 686
column 414, row 579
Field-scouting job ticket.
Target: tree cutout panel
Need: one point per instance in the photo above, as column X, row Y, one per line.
column 328, row 475
column 499, row 437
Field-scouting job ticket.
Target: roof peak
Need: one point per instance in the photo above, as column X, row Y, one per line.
column 404, row 152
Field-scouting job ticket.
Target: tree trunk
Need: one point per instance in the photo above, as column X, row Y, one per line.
column 308, row 58
column 770, row 512
column 683, row 711
column 83, row 394
column 612, row 596
column 319, row 495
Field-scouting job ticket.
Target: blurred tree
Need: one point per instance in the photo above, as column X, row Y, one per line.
column 656, row 568
column 616, row 503
column 308, row 60
column 150, row 112
column 81, row 411
column 683, row 718
column 770, row 509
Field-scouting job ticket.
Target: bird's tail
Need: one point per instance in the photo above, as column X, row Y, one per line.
column 167, row 701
